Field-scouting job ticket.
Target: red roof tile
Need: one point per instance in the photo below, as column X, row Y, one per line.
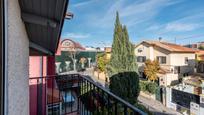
column 170, row 47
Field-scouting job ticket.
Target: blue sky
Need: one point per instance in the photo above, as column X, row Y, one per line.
column 93, row 21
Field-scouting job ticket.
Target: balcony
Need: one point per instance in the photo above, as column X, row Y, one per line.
column 75, row 94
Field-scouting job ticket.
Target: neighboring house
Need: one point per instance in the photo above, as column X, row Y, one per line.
column 187, row 96
column 68, row 48
column 175, row 61
column 195, row 45
column 200, row 55
column 200, row 67
column 108, row 52
column 200, row 61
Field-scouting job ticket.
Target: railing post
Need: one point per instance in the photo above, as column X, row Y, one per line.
column 125, row 110
column 78, row 92
column 108, row 105
column 97, row 98
column 65, row 104
column 45, row 96
column 93, row 93
column 71, row 90
column 103, row 102
column 37, row 96
column 59, row 108
column 52, row 95
column 116, row 111
column 87, row 95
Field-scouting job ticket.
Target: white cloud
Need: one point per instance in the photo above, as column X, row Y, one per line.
column 153, row 27
column 186, row 23
column 136, row 12
column 87, row 2
column 181, row 27
column 75, row 35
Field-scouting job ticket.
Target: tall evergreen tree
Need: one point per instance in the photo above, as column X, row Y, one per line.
column 122, row 56
column 122, row 67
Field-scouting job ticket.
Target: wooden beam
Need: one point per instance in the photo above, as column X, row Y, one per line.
column 40, row 48
column 34, row 19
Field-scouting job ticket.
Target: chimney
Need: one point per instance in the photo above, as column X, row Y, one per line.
column 160, row 39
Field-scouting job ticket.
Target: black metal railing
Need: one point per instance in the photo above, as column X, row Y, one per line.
column 76, row 95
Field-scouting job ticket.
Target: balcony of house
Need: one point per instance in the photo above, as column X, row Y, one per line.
column 75, row 94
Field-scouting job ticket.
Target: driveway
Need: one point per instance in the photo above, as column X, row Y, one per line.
column 156, row 107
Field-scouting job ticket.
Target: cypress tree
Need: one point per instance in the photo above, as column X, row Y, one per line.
column 122, row 68
column 122, row 56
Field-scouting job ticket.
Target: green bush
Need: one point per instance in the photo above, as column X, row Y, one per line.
column 143, row 85
column 152, row 87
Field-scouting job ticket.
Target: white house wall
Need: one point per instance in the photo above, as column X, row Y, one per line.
column 145, row 52
column 178, row 59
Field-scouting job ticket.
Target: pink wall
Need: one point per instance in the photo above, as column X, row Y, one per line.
column 37, row 68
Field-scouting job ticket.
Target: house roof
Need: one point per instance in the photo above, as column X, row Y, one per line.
column 170, row 47
column 200, row 52
column 164, row 71
column 76, row 44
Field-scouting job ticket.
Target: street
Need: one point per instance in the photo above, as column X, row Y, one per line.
column 156, row 107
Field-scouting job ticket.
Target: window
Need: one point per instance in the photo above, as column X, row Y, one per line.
column 186, row 60
column 139, row 50
column 141, row 58
column 161, row 59
column 177, row 70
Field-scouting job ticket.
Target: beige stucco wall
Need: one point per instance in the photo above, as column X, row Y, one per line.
column 145, row 52
column 178, row 59
column 152, row 53
column 18, row 55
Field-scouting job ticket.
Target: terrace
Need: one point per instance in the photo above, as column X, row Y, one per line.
column 76, row 94
column 33, row 28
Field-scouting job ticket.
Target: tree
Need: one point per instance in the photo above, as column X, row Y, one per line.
column 201, row 48
column 122, row 55
column 151, row 69
column 101, row 63
column 125, row 85
column 82, row 61
column 72, row 52
column 122, row 68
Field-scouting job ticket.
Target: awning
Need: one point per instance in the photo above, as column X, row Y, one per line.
column 43, row 21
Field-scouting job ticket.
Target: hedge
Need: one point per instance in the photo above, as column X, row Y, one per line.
column 150, row 87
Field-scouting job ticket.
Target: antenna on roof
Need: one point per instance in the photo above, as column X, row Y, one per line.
column 160, row 39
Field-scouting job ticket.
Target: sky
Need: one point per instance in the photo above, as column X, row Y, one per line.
column 176, row 21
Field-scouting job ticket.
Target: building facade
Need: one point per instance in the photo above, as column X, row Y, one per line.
column 175, row 61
